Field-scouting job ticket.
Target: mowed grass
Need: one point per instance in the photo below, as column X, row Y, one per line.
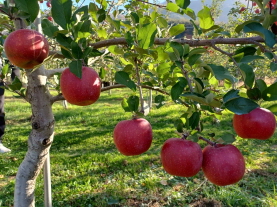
column 87, row 170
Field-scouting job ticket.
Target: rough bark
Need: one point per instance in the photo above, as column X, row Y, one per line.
column 39, row 140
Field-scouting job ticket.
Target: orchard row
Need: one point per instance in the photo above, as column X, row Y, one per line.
column 221, row 164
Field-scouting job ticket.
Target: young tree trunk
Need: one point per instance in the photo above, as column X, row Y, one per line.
column 39, row 141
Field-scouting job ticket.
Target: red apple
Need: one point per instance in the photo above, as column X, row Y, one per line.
column 257, row 11
column 50, row 18
column 26, row 48
column 260, row 123
column 81, row 92
column 254, row 4
column 48, row 4
column 242, row 9
column 181, row 157
column 133, row 137
column 223, row 164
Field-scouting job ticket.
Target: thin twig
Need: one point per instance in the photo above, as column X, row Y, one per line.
column 139, row 86
column 60, row 97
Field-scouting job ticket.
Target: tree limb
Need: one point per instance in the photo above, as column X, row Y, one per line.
column 192, row 43
column 60, row 97
column 50, row 73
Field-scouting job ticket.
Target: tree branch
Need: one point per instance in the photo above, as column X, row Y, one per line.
column 50, row 73
column 192, row 43
column 60, row 97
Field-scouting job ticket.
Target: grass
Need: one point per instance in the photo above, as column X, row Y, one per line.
column 88, row 171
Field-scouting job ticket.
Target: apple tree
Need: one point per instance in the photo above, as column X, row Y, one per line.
column 134, row 41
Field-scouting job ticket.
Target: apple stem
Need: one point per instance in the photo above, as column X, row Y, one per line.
column 185, row 136
column 208, row 141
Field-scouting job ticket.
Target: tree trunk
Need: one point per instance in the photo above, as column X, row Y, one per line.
column 39, row 141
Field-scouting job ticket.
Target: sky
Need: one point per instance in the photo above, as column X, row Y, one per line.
column 196, row 5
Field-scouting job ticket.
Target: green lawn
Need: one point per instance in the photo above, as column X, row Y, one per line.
column 87, row 170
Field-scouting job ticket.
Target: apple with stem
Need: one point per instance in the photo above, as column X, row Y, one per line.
column 133, row 137
column 26, row 48
column 223, row 164
column 259, row 123
column 80, row 91
column 181, row 157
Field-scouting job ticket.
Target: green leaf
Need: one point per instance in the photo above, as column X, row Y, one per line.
column 159, row 101
column 102, row 73
column 115, row 49
column 178, row 88
column 146, row 35
column 66, row 53
column 48, row 28
column 241, row 105
column 173, row 7
column 198, row 30
column 125, row 105
column 260, row 84
column 64, row 40
column 87, row 52
column 197, row 51
column 250, row 58
column 103, row 3
column 101, row 15
column 221, row 73
column 61, row 12
column 162, row 22
column 129, row 38
column 30, row 7
column 254, row 94
column 193, row 59
column 177, row 29
column 76, row 50
column 163, row 68
column 205, row 18
column 257, row 28
column 4, row 70
column 199, row 86
column 270, row 93
column 240, row 27
column 247, row 74
column 189, row 12
column 247, row 50
column 95, row 53
column 273, row 108
column 228, row 138
column 194, row 120
column 75, row 67
column 178, row 49
column 183, row 3
column 133, row 103
column 16, row 84
column 273, row 66
column 122, row 77
column 135, row 17
column 179, row 125
column 269, row 55
column 230, row 95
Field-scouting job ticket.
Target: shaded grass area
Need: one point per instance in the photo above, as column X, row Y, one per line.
column 87, row 170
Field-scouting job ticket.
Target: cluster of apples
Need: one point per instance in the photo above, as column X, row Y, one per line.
column 222, row 164
column 28, row 48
